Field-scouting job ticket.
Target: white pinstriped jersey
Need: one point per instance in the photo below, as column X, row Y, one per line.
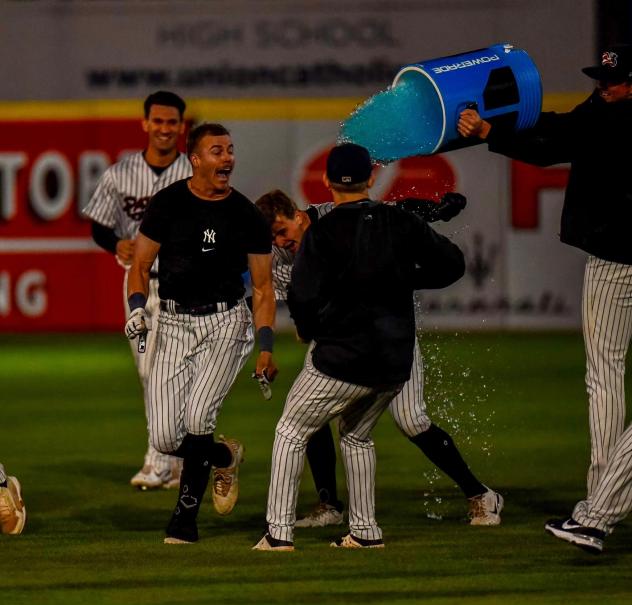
column 282, row 260
column 124, row 189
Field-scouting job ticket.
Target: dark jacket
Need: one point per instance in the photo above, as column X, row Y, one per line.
column 595, row 138
column 352, row 289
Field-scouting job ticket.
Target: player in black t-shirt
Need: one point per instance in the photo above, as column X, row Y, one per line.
column 206, row 235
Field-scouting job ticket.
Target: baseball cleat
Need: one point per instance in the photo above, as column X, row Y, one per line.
column 12, row 509
column 226, row 480
column 322, row 516
column 587, row 538
column 149, row 478
column 350, row 541
column 272, row 544
column 485, row 509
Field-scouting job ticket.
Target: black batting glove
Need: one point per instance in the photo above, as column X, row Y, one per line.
column 447, row 208
column 450, row 205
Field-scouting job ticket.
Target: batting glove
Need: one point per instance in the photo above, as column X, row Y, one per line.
column 450, row 205
column 137, row 324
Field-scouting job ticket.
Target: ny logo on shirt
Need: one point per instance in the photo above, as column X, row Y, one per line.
column 209, row 238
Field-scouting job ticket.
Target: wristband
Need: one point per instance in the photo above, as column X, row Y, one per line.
column 136, row 300
column 266, row 338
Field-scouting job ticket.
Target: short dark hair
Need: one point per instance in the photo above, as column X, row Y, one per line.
column 164, row 97
column 276, row 203
column 201, row 130
column 352, row 188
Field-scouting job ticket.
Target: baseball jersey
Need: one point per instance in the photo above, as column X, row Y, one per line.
column 125, row 188
column 204, row 245
column 352, row 286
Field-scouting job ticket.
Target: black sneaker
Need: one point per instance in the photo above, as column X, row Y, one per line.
column 587, row 538
column 350, row 541
column 270, row 543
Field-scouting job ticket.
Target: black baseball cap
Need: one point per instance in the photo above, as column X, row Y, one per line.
column 616, row 65
column 349, row 164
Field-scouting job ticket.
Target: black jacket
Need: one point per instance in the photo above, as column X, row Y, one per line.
column 352, row 289
column 595, row 138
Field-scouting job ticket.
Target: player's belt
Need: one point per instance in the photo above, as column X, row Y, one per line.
column 171, row 306
column 153, row 275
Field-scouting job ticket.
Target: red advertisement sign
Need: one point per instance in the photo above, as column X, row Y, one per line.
column 52, row 276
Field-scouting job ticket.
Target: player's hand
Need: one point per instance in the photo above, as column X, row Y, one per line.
column 125, row 251
column 471, row 124
column 265, row 373
column 265, row 364
column 137, row 324
column 450, row 205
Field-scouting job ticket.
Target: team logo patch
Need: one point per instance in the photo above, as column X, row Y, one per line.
column 609, row 58
column 135, row 207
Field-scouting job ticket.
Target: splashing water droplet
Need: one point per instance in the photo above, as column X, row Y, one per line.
column 401, row 121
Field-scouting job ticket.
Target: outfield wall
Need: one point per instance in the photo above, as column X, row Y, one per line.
column 52, row 277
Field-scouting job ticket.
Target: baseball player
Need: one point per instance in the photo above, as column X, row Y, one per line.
column 408, row 408
column 352, row 295
column 594, row 137
column 116, row 210
column 12, row 509
column 206, row 235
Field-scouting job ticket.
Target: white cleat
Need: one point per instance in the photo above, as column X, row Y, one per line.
column 485, row 509
column 148, row 478
column 322, row 516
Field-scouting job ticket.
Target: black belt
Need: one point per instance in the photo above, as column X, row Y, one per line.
column 171, row 307
column 153, row 275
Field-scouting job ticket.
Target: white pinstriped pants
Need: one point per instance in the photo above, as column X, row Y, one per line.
column 3, row 475
column 160, row 462
column 409, row 408
column 196, row 362
column 611, row 498
column 314, row 400
column 607, row 327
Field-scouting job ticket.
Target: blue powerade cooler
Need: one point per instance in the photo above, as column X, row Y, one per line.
column 418, row 114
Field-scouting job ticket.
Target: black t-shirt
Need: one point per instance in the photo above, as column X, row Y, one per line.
column 204, row 245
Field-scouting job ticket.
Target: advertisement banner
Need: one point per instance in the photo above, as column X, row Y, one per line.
column 53, row 277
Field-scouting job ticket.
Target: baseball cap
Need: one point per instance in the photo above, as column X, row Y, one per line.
column 348, row 164
column 616, row 65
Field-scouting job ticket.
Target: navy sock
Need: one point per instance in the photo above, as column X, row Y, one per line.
column 438, row 446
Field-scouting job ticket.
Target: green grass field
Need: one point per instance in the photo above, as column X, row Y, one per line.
column 72, row 429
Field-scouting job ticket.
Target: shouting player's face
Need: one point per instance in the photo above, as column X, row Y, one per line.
column 163, row 126
column 288, row 232
column 611, row 92
column 213, row 161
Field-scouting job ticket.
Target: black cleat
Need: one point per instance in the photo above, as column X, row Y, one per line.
column 350, row 541
column 587, row 538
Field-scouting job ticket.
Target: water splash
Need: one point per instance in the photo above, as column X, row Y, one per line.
column 401, row 121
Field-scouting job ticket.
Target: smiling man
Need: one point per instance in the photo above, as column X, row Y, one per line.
column 595, row 138
column 205, row 235
column 116, row 210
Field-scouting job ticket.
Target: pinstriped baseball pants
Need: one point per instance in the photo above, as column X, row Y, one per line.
column 160, row 462
column 197, row 360
column 3, row 475
column 607, row 327
column 314, row 400
column 611, row 498
column 409, row 408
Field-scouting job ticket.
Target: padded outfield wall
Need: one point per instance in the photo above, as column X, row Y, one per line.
column 282, row 75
